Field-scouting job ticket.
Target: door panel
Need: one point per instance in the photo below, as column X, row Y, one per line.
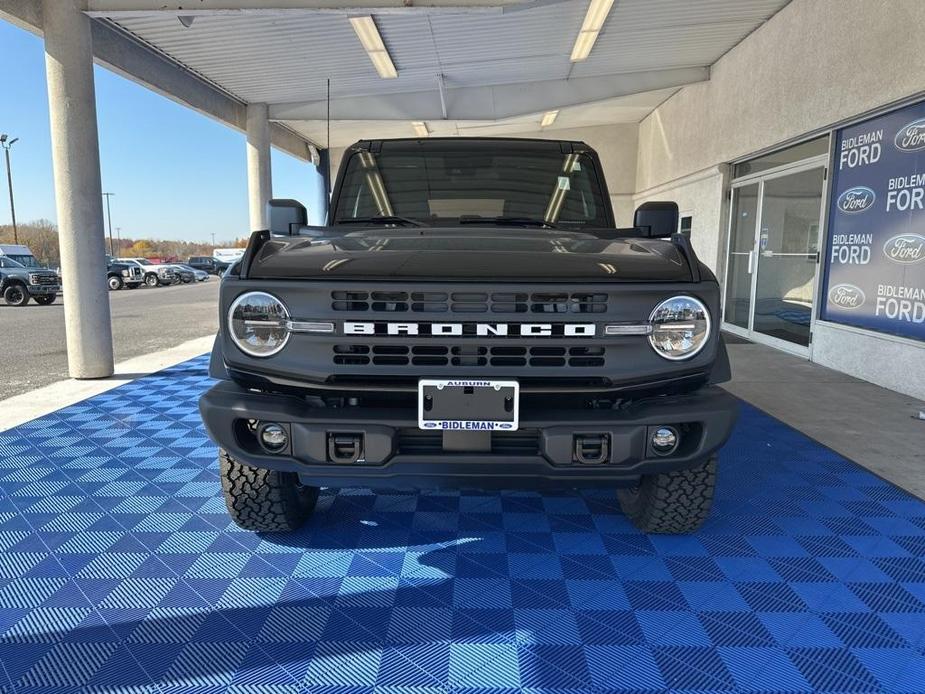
column 741, row 255
column 787, row 255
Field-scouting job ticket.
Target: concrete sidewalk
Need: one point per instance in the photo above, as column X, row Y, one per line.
column 873, row 426
column 25, row 407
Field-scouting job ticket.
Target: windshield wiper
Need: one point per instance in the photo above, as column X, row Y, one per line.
column 383, row 219
column 508, row 221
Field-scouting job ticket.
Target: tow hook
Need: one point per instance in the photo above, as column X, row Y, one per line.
column 591, row 449
column 345, row 449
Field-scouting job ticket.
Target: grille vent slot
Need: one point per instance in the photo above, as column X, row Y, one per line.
column 416, row 442
column 469, row 302
column 467, row 355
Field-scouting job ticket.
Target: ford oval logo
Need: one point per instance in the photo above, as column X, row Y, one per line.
column 846, row 296
column 905, row 248
column 856, row 200
column 911, row 137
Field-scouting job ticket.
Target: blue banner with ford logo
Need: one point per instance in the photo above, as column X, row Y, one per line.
column 875, row 258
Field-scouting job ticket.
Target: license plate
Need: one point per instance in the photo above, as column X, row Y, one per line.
column 468, row 405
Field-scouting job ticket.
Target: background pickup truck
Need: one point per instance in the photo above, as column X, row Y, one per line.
column 213, row 266
column 152, row 274
column 18, row 283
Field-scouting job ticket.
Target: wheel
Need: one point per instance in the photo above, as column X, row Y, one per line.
column 115, row 282
column 264, row 500
column 186, row 280
column 671, row 502
column 16, row 295
column 45, row 299
column 151, row 280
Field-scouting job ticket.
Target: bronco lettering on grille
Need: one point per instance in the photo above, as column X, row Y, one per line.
column 470, row 329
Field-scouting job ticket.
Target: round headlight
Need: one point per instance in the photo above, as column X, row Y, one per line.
column 257, row 324
column 680, row 327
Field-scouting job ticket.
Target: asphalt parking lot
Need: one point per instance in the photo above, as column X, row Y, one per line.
column 143, row 321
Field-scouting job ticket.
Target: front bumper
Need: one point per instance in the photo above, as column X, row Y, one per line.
column 539, row 455
column 44, row 289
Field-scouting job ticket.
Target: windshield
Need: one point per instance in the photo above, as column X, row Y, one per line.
column 445, row 186
column 25, row 260
column 6, row 261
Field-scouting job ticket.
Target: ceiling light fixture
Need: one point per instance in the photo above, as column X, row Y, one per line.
column 549, row 118
column 420, row 128
column 590, row 28
column 371, row 39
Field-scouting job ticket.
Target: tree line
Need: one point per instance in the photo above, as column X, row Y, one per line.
column 41, row 236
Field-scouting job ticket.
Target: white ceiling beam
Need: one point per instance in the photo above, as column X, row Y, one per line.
column 117, row 51
column 489, row 102
column 115, row 9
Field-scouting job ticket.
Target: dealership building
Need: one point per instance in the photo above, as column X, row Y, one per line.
column 799, row 167
column 791, row 134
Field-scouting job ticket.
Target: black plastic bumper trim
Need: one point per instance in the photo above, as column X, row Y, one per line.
column 711, row 411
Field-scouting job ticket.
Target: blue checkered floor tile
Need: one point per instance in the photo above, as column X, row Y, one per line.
column 120, row 572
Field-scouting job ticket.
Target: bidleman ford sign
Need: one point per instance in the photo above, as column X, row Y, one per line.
column 875, row 262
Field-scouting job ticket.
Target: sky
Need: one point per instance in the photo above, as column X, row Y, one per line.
column 174, row 173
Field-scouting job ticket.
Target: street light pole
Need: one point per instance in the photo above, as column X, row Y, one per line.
column 9, row 179
column 109, row 218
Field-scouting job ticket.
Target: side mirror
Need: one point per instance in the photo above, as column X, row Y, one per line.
column 657, row 220
column 284, row 213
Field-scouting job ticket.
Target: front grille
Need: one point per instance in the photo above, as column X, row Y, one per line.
column 468, row 355
column 468, row 302
column 417, row 442
column 46, row 280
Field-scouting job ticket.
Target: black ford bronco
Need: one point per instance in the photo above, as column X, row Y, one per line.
column 470, row 317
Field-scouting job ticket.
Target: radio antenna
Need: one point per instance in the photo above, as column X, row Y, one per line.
column 329, row 115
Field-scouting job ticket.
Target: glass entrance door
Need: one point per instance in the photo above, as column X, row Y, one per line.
column 772, row 261
column 741, row 256
column 787, row 256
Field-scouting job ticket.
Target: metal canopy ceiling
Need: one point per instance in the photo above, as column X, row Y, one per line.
column 500, row 70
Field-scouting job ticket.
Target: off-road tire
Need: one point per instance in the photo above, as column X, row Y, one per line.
column 264, row 500
column 671, row 502
column 16, row 295
column 151, row 280
column 114, row 282
column 45, row 300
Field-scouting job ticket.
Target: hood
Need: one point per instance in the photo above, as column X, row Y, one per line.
column 470, row 253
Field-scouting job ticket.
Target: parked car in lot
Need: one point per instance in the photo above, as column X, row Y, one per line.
column 198, row 275
column 186, row 274
column 119, row 275
column 131, row 275
column 154, row 275
column 18, row 283
column 213, row 266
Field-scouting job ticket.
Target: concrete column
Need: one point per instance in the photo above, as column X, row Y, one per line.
column 259, row 178
column 78, row 193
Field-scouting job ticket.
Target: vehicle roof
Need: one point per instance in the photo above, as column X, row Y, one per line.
column 472, row 142
column 17, row 249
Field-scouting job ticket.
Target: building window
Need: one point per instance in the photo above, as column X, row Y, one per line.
column 685, row 227
column 791, row 155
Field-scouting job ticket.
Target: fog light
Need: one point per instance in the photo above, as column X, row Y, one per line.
column 664, row 440
column 273, row 437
